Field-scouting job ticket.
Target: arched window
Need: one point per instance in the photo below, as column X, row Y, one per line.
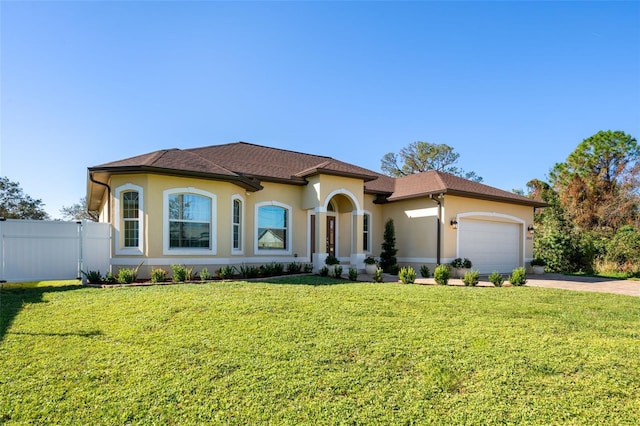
column 129, row 217
column 366, row 232
column 189, row 221
column 273, row 222
column 237, row 225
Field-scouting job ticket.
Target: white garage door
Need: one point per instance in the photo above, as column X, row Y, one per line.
column 491, row 246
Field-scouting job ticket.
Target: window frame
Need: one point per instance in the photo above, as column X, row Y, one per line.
column 367, row 231
column 289, row 228
column 240, row 249
column 166, row 237
column 121, row 249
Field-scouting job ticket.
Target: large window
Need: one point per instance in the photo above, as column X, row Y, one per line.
column 237, row 219
column 129, row 225
column 190, row 221
column 273, row 222
column 366, row 234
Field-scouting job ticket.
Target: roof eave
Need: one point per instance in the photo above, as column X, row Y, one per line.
column 532, row 203
column 247, row 183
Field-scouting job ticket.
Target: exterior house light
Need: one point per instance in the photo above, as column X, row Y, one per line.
column 454, row 224
column 530, row 229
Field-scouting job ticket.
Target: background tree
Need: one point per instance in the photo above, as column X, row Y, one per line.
column 423, row 156
column 15, row 204
column 79, row 211
column 598, row 183
column 388, row 261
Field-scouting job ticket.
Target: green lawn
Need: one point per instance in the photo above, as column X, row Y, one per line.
column 247, row 353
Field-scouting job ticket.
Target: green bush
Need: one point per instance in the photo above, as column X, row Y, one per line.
column 388, row 261
column 294, row 268
column 178, row 273
column 331, row 260
column 353, row 274
column 324, row 271
column 460, row 263
column 204, row 274
column 377, row 276
column 496, row 279
column 407, row 275
column 624, row 248
column 337, row 271
column 248, row 271
column 424, row 271
column 93, row 277
column 308, row 268
column 126, row 275
column 471, row 278
column 227, row 272
column 538, row 262
column 158, row 275
column 109, row 278
column 518, row 277
column 442, row 274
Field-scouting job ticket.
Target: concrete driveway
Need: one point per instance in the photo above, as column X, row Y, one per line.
column 560, row 281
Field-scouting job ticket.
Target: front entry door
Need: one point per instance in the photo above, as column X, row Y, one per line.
column 331, row 235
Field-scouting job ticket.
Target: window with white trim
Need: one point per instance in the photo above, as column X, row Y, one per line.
column 366, row 234
column 237, row 220
column 273, row 221
column 131, row 219
column 189, row 221
column 129, row 224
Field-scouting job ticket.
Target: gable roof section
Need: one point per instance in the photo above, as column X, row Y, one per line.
column 435, row 182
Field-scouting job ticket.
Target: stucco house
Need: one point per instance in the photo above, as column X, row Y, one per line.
column 241, row 203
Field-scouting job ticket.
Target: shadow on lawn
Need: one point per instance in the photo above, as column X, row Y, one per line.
column 13, row 299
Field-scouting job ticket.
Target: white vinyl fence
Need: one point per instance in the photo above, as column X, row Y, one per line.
column 36, row 250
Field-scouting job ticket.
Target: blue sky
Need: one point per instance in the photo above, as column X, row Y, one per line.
column 513, row 87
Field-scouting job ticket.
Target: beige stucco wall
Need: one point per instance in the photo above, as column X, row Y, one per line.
column 415, row 221
column 416, row 226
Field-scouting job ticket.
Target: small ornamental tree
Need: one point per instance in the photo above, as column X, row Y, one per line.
column 388, row 259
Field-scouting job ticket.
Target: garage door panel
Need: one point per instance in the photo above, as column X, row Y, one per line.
column 491, row 246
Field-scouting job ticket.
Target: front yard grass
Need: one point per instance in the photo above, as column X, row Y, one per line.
column 293, row 351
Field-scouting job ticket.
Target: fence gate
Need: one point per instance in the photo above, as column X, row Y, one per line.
column 36, row 250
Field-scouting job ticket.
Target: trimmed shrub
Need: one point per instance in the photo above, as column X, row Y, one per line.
column 442, row 274
column 204, row 274
column 178, row 273
column 388, row 261
column 353, row 274
column 294, row 268
column 248, row 271
column 331, row 260
column 377, row 277
column 460, row 263
column 496, row 279
column 518, row 277
column 126, row 275
column 227, row 272
column 324, row 271
column 424, row 271
column 471, row 278
column 407, row 275
column 308, row 268
column 337, row 271
column 158, row 275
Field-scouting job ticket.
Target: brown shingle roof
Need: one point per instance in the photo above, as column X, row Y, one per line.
column 435, row 182
column 247, row 163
